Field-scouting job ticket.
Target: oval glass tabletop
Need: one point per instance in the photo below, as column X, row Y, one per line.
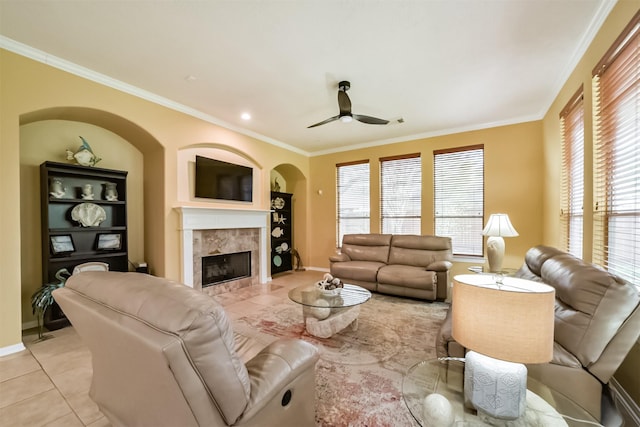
column 349, row 296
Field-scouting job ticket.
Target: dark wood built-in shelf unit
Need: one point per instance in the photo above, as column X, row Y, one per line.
column 281, row 231
column 57, row 220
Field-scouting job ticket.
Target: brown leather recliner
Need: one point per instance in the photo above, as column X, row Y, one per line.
column 164, row 354
column 597, row 321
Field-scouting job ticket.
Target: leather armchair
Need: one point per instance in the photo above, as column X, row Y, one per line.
column 164, row 354
column 597, row 321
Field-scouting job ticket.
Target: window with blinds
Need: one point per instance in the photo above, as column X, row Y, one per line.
column 572, row 183
column 353, row 212
column 401, row 194
column 459, row 197
column 616, row 84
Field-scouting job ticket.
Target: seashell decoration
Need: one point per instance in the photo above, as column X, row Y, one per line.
column 88, row 214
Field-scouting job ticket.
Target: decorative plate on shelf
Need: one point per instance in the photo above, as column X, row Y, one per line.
column 88, row 214
column 278, row 203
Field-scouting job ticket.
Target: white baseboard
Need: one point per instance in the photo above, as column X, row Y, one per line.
column 5, row 351
column 628, row 408
column 323, row 269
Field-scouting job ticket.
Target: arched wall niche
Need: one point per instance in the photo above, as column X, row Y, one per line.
column 292, row 180
column 153, row 163
column 186, row 173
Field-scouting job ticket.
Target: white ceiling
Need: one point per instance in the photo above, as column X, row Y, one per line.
column 442, row 65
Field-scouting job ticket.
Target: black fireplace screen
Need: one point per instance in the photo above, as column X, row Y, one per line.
column 222, row 268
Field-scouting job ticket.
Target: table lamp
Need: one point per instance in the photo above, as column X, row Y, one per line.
column 498, row 227
column 503, row 326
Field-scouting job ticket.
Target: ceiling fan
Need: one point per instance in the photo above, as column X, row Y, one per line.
column 345, row 115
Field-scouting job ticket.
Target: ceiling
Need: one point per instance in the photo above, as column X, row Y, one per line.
column 443, row 66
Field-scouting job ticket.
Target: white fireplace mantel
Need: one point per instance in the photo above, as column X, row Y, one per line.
column 201, row 218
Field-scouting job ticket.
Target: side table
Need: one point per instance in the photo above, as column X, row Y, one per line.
column 484, row 269
column 445, row 376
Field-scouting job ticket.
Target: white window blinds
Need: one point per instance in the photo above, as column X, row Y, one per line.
column 616, row 83
column 459, row 197
column 401, row 194
column 572, row 183
column 352, row 199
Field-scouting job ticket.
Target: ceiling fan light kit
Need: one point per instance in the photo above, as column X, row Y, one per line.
column 345, row 115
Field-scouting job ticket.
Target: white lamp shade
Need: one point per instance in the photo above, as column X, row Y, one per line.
column 514, row 322
column 499, row 225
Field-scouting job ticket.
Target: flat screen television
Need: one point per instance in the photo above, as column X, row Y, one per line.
column 216, row 179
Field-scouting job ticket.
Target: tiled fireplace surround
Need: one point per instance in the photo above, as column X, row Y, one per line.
column 214, row 231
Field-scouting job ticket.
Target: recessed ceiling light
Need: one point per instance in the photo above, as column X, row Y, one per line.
column 246, row 116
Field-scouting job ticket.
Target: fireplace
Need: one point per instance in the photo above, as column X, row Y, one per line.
column 217, row 269
column 216, row 231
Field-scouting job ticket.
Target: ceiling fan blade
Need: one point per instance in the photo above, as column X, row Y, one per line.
column 344, row 102
column 329, row 120
column 370, row 120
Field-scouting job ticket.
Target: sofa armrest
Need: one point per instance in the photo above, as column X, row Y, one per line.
column 440, row 266
column 274, row 368
column 339, row 258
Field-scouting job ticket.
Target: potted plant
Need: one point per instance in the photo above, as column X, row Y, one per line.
column 42, row 299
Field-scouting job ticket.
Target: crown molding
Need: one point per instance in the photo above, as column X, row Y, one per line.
column 86, row 73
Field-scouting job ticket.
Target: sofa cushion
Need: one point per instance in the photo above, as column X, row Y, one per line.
column 420, row 251
column 533, row 260
column 365, row 271
column 367, row 247
column 407, row 276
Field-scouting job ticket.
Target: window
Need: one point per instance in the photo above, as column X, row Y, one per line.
column 616, row 82
column 353, row 198
column 401, row 194
column 459, row 197
column 572, row 184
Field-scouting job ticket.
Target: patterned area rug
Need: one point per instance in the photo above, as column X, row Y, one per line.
column 359, row 375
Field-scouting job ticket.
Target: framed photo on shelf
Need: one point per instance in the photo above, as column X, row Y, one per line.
column 109, row 242
column 62, row 244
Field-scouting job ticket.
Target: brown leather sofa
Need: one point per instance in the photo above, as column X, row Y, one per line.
column 597, row 321
column 164, row 354
column 403, row 265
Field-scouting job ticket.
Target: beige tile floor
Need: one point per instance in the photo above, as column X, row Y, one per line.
column 47, row 384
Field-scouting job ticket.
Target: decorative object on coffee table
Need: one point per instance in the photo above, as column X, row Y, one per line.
column 497, row 227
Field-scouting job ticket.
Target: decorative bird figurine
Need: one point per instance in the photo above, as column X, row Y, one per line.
column 84, row 156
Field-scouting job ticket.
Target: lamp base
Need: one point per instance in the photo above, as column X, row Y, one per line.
column 495, row 253
column 495, row 387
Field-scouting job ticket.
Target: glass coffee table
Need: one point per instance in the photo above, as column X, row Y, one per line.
column 327, row 313
column 445, row 377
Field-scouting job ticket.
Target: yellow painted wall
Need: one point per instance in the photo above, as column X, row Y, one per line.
column 513, row 176
column 33, row 92
column 617, row 20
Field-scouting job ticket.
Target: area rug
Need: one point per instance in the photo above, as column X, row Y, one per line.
column 359, row 375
